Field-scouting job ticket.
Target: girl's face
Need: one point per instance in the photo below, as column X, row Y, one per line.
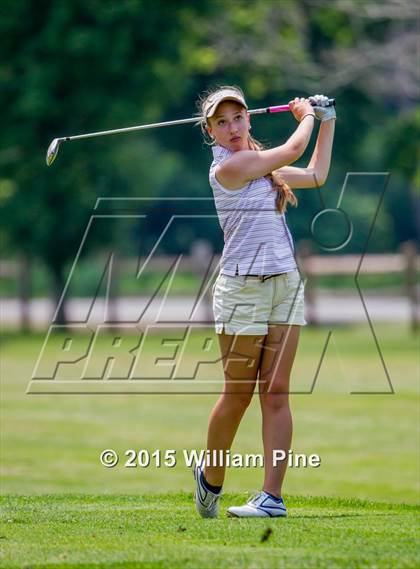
column 229, row 126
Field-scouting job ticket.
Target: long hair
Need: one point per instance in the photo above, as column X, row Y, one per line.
column 285, row 194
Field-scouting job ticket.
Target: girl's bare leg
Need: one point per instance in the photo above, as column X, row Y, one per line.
column 276, row 365
column 241, row 359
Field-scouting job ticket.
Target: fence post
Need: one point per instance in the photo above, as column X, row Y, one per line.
column 113, row 295
column 201, row 255
column 25, row 289
column 409, row 250
column 304, row 253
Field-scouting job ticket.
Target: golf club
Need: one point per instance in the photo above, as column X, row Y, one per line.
column 55, row 144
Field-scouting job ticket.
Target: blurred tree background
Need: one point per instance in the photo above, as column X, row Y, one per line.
column 76, row 66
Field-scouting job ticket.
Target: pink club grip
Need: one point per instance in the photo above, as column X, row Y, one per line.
column 278, row 109
column 283, row 108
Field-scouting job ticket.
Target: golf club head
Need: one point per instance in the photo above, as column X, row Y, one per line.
column 52, row 151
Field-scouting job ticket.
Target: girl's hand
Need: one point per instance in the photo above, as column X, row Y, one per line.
column 300, row 108
column 322, row 112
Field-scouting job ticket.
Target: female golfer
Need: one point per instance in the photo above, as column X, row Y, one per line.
column 258, row 297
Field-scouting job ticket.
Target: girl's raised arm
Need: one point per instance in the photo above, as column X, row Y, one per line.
column 247, row 165
column 315, row 174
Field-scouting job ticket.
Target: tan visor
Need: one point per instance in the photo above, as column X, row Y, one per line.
column 224, row 95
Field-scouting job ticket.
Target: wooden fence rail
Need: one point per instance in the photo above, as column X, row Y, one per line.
column 406, row 262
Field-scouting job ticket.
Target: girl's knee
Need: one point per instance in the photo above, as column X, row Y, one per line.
column 274, row 401
column 236, row 402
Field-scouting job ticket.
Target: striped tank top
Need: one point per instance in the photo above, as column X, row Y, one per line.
column 257, row 240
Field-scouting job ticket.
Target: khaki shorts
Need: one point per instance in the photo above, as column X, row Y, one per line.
column 247, row 305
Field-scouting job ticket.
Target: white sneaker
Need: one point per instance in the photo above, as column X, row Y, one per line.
column 206, row 502
column 260, row 506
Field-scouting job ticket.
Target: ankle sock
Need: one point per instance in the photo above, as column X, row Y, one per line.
column 210, row 487
column 274, row 497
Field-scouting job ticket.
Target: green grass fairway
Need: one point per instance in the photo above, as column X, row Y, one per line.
column 368, row 443
column 62, row 508
column 162, row 530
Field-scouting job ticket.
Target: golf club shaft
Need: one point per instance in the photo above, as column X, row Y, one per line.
column 274, row 109
column 54, row 146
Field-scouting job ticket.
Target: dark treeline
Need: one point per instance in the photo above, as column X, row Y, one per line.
column 76, row 66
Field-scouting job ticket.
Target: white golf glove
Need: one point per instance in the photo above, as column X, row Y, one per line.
column 322, row 112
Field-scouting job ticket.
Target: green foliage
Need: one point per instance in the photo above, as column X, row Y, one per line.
column 401, row 146
column 83, row 66
column 77, row 67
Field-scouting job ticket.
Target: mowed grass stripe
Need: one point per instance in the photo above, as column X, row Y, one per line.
column 164, row 531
